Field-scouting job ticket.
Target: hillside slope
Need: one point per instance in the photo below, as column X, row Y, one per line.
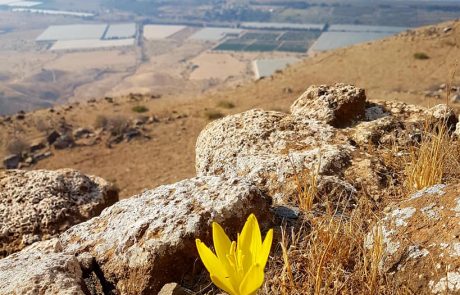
column 387, row 69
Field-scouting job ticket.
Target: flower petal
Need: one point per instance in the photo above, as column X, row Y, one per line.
column 221, row 241
column 256, row 238
column 265, row 250
column 223, row 284
column 210, row 260
column 252, row 281
column 245, row 238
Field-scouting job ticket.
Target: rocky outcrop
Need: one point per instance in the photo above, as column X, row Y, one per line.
column 41, row 269
column 244, row 162
column 328, row 134
column 148, row 240
column 139, row 244
column 421, row 242
column 268, row 148
column 37, row 205
column 339, row 105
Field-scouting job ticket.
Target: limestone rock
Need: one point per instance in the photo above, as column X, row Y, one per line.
column 81, row 132
column 442, row 113
column 36, row 205
column 172, row 289
column 269, row 148
column 148, row 240
column 338, row 105
column 41, row 269
column 421, row 241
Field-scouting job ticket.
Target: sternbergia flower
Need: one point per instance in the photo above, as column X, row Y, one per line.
column 237, row 267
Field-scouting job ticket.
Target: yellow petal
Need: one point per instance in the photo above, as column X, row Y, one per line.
column 252, row 281
column 245, row 238
column 223, row 284
column 221, row 241
column 210, row 260
column 256, row 238
column 265, row 250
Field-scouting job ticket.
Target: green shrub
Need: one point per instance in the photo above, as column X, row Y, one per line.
column 213, row 115
column 140, row 109
column 226, row 104
column 421, row 55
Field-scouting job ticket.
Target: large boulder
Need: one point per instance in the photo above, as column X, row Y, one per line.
column 339, row 105
column 143, row 242
column 421, row 243
column 37, row 205
column 41, row 269
column 270, row 149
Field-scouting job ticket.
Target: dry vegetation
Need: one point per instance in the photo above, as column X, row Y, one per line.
column 324, row 251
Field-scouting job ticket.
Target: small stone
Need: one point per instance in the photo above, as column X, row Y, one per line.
column 63, row 142
column 455, row 98
column 52, row 137
column 37, row 145
column 81, row 132
column 172, row 289
column 11, row 161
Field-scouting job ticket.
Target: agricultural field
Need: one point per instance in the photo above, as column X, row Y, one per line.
column 334, row 40
column 215, row 34
column 267, row 36
column 268, row 41
column 156, row 32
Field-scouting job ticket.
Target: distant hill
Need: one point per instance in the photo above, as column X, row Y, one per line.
column 409, row 67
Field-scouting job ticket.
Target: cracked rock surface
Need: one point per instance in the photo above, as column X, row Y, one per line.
column 37, row 205
column 421, row 241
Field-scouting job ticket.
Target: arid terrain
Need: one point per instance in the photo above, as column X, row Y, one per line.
column 387, row 69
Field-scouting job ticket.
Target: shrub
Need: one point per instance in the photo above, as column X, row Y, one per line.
column 140, row 109
column 213, row 115
column 101, row 121
column 421, row 55
column 43, row 126
column 226, row 104
column 116, row 125
column 17, row 146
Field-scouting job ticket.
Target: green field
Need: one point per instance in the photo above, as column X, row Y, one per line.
column 293, row 46
column 260, row 36
column 263, row 46
column 299, row 36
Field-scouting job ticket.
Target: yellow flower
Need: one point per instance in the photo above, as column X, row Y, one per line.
column 238, row 267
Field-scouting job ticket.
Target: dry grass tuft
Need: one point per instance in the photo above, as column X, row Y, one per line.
column 307, row 188
column 427, row 162
column 326, row 255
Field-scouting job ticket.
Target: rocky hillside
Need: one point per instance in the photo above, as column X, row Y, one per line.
column 334, row 158
column 143, row 141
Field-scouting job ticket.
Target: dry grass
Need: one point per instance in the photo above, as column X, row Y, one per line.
column 326, row 255
column 307, row 187
column 427, row 162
